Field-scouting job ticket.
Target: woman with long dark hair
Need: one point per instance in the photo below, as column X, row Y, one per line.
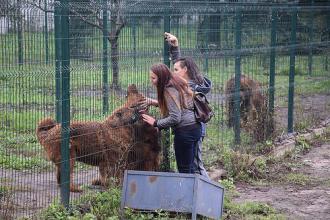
column 174, row 98
column 186, row 68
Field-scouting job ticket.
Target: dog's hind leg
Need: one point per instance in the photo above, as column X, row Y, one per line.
column 58, row 173
column 97, row 181
column 103, row 180
column 102, row 175
column 73, row 187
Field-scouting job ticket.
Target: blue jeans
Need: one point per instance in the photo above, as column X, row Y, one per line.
column 185, row 145
column 198, row 163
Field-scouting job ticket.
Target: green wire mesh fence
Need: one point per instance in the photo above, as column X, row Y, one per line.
column 74, row 62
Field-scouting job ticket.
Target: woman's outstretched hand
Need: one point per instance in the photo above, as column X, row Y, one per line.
column 171, row 39
column 149, row 119
column 148, row 102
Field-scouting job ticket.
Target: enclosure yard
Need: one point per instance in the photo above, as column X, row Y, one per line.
column 299, row 188
column 73, row 61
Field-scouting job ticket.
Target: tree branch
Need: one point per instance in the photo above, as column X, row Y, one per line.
column 85, row 19
column 38, row 6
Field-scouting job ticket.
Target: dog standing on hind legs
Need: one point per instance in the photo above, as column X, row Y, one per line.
column 120, row 142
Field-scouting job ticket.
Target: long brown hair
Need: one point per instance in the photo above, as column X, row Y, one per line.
column 193, row 71
column 167, row 79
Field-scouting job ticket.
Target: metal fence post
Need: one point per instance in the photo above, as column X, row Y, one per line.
column 105, row 83
column 57, row 32
column 226, row 38
column 238, row 33
column 20, row 32
column 292, row 69
column 310, row 47
column 134, row 41
column 65, row 100
column 207, row 42
column 272, row 61
column 166, row 132
column 46, row 34
column 327, row 38
column 167, row 28
column 206, row 45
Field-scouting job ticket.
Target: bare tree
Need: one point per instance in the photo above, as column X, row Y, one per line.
column 6, row 7
column 92, row 16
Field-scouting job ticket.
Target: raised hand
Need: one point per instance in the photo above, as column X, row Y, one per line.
column 171, row 39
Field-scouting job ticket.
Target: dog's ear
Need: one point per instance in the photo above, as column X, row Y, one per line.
column 132, row 89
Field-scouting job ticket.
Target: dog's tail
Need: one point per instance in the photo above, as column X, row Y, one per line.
column 44, row 126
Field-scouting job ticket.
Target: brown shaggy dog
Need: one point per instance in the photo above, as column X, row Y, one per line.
column 253, row 107
column 113, row 145
column 144, row 154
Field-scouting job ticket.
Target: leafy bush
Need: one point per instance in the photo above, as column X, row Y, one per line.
column 54, row 211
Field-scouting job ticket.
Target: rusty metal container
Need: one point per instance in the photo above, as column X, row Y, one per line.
column 176, row 192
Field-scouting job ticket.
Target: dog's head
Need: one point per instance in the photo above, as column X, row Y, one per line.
column 133, row 96
column 129, row 113
column 123, row 116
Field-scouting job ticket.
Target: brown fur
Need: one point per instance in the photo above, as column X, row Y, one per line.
column 144, row 154
column 253, row 107
column 110, row 144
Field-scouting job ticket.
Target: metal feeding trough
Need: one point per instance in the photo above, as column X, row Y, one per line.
column 176, row 192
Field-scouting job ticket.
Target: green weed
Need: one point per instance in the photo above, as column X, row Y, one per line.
column 22, row 163
column 250, row 210
column 297, row 178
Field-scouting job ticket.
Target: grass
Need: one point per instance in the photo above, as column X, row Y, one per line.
column 21, row 163
column 89, row 107
column 27, row 100
column 28, row 94
column 147, row 37
column 5, row 190
column 19, row 151
column 100, row 205
column 245, row 210
column 106, row 205
column 297, row 179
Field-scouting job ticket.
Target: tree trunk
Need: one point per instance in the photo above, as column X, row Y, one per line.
column 214, row 33
column 114, row 63
column 117, row 24
column 19, row 20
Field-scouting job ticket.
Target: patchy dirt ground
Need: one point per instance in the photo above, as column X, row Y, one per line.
column 310, row 110
column 311, row 201
column 35, row 191
column 298, row 201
